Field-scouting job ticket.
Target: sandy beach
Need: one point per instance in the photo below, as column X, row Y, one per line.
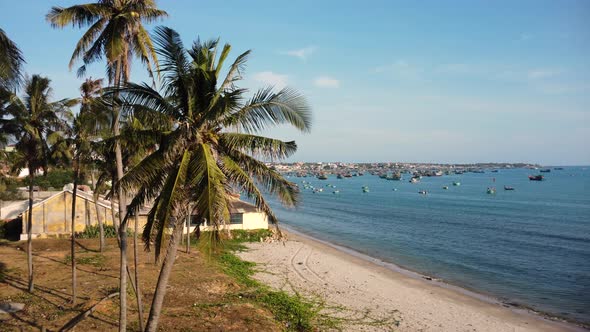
column 371, row 292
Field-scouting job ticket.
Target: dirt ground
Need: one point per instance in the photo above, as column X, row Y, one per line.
column 199, row 296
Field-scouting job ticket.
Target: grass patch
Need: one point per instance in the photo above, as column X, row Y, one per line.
column 295, row 312
column 98, row 260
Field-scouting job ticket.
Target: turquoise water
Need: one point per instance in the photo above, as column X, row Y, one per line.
column 530, row 246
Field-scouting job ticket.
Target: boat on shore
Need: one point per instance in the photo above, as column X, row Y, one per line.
column 536, row 177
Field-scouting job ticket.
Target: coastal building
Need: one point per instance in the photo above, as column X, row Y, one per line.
column 52, row 216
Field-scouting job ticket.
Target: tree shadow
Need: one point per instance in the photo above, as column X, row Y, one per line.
column 86, row 248
column 78, row 268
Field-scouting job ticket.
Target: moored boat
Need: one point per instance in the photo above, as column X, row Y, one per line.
column 491, row 190
column 508, row 188
column 456, row 183
column 536, row 177
column 547, row 170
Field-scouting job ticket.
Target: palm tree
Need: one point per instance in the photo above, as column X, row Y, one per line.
column 34, row 122
column 116, row 31
column 11, row 61
column 211, row 148
column 89, row 122
column 90, row 125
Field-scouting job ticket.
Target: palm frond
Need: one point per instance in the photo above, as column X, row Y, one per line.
column 267, row 108
column 268, row 148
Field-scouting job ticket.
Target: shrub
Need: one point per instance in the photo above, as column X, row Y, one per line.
column 93, row 232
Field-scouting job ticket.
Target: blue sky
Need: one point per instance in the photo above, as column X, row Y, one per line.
column 420, row 81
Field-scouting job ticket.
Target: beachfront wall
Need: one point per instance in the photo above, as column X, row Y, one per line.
column 53, row 216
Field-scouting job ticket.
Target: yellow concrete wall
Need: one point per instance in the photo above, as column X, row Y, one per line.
column 54, row 215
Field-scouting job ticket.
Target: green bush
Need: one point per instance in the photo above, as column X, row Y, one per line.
column 93, row 232
column 56, row 178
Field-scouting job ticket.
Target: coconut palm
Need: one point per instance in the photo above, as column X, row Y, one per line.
column 211, row 148
column 116, row 32
column 34, row 122
column 11, row 61
column 88, row 124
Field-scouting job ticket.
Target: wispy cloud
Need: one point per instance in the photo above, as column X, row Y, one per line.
column 401, row 69
column 326, row 82
column 302, row 53
column 542, row 73
column 525, row 36
column 279, row 81
column 461, row 69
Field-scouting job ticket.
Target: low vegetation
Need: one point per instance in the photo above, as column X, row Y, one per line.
column 295, row 312
column 93, row 232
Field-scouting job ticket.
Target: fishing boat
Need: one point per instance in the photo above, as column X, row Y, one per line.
column 494, row 171
column 339, row 176
column 322, row 177
column 558, row 168
column 423, row 192
column 536, row 177
column 446, row 187
column 547, row 170
column 456, row 183
column 491, row 190
column 394, row 177
column 508, row 188
column 414, row 180
column 366, row 190
column 336, row 192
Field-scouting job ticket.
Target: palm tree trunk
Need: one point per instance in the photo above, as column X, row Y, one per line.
column 188, row 233
column 30, row 232
column 73, row 228
column 122, row 211
column 98, row 217
column 157, row 302
column 136, row 265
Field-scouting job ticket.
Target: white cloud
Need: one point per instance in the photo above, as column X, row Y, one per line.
column 302, row 53
column 326, row 82
column 525, row 36
column 268, row 77
column 541, row 73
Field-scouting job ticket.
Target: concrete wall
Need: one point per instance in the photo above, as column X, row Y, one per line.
column 53, row 216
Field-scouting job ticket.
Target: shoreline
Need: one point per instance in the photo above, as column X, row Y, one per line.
column 485, row 297
column 335, row 270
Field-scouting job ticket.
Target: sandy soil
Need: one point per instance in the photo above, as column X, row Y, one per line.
column 316, row 269
column 199, row 297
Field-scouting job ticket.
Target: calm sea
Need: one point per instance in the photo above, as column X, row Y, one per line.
column 530, row 246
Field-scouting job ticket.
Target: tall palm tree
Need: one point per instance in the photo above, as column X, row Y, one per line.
column 88, row 124
column 211, row 148
column 33, row 122
column 11, row 61
column 116, row 31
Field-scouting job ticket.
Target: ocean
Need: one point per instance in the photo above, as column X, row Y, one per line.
column 528, row 247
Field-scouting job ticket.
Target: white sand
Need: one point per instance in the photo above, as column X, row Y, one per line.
column 316, row 269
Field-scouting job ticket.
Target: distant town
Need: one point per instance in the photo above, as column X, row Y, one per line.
column 391, row 170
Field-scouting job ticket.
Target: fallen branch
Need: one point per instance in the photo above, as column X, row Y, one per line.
column 80, row 317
